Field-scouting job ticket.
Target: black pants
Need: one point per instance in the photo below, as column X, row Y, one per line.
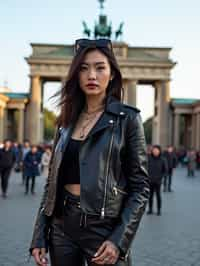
column 168, row 181
column 32, row 184
column 74, row 238
column 155, row 188
column 5, row 174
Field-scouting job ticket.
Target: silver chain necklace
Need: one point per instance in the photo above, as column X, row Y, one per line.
column 90, row 117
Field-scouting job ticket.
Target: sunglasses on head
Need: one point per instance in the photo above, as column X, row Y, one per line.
column 99, row 43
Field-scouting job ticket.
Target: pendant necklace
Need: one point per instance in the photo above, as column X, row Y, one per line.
column 89, row 117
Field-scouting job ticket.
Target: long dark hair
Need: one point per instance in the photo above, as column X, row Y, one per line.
column 72, row 98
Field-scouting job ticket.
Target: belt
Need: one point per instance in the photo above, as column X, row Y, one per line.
column 71, row 199
column 71, row 202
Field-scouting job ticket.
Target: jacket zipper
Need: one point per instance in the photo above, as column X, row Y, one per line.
column 107, row 171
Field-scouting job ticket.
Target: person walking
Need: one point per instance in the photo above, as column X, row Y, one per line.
column 45, row 161
column 31, row 168
column 172, row 162
column 98, row 183
column 191, row 162
column 7, row 160
column 25, row 149
column 157, row 167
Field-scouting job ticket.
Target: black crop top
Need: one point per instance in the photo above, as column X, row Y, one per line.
column 69, row 169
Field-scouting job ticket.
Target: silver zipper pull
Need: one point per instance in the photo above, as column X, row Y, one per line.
column 102, row 213
column 115, row 191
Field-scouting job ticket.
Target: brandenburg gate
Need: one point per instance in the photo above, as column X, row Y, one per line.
column 139, row 66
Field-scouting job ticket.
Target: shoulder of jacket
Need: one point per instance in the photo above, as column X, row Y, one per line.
column 130, row 108
column 129, row 111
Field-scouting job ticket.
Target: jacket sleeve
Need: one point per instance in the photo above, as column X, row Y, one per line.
column 40, row 232
column 135, row 169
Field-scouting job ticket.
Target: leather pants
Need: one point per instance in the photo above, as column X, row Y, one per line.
column 75, row 237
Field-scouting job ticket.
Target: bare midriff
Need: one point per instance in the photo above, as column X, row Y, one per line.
column 74, row 189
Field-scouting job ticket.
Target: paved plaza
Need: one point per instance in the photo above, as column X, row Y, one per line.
column 172, row 239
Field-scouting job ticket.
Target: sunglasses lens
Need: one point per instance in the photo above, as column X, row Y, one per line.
column 82, row 43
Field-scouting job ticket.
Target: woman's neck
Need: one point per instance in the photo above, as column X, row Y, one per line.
column 94, row 102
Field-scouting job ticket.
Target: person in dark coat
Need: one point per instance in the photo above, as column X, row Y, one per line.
column 7, row 160
column 24, row 150
column 31, row 168
column 172, row 161
column 157, row 167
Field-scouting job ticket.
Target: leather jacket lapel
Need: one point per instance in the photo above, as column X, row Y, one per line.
column 106, row 120
column 112, row 110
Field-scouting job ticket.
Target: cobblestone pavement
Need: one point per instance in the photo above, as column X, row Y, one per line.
column 172, row 239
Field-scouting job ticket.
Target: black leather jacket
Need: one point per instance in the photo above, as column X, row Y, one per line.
column 113, row 174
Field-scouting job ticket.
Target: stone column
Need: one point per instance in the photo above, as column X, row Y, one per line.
column 198, row 131
column 155, row 134
column 5, row 129
column 176, row 130
column 34, row 109
column 171, row 127
column 20, row 132
column 1, row 124
column 193, row 141
column 132, row 92
column 63, row 80
column 125, row 91
column 163, row 99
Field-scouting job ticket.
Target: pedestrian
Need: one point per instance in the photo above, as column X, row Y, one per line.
column 31, row 168
column 172, row 162
column 98, row 183
column 191, row 162
column 46, row 156
column 17, row 149
column 7, row 160
column 157, row 166
column 25, row 149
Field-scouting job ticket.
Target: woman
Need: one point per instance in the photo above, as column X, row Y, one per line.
column 157, row 170
column 97, row 186
column 31, row 168
column 46, row 156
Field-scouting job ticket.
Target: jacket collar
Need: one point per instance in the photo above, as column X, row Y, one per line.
column 113, row 106
column 109, row 116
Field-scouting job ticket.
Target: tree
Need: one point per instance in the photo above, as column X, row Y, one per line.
column 49, row 124
column 148, row 130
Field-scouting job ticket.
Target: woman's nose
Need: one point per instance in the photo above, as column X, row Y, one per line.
column 92, row 74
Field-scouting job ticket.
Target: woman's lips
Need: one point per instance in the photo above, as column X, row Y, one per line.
column 91, row 85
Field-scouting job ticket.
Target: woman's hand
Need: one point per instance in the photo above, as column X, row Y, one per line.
column 107, row 253
column 39, row 255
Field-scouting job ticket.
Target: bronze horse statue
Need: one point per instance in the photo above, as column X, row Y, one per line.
column 86, row 30
column 119, row 32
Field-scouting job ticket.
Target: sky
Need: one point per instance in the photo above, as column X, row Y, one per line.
column 172, row 23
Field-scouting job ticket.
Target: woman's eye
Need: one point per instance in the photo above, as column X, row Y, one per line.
column 82, row 68
column 100, row 68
